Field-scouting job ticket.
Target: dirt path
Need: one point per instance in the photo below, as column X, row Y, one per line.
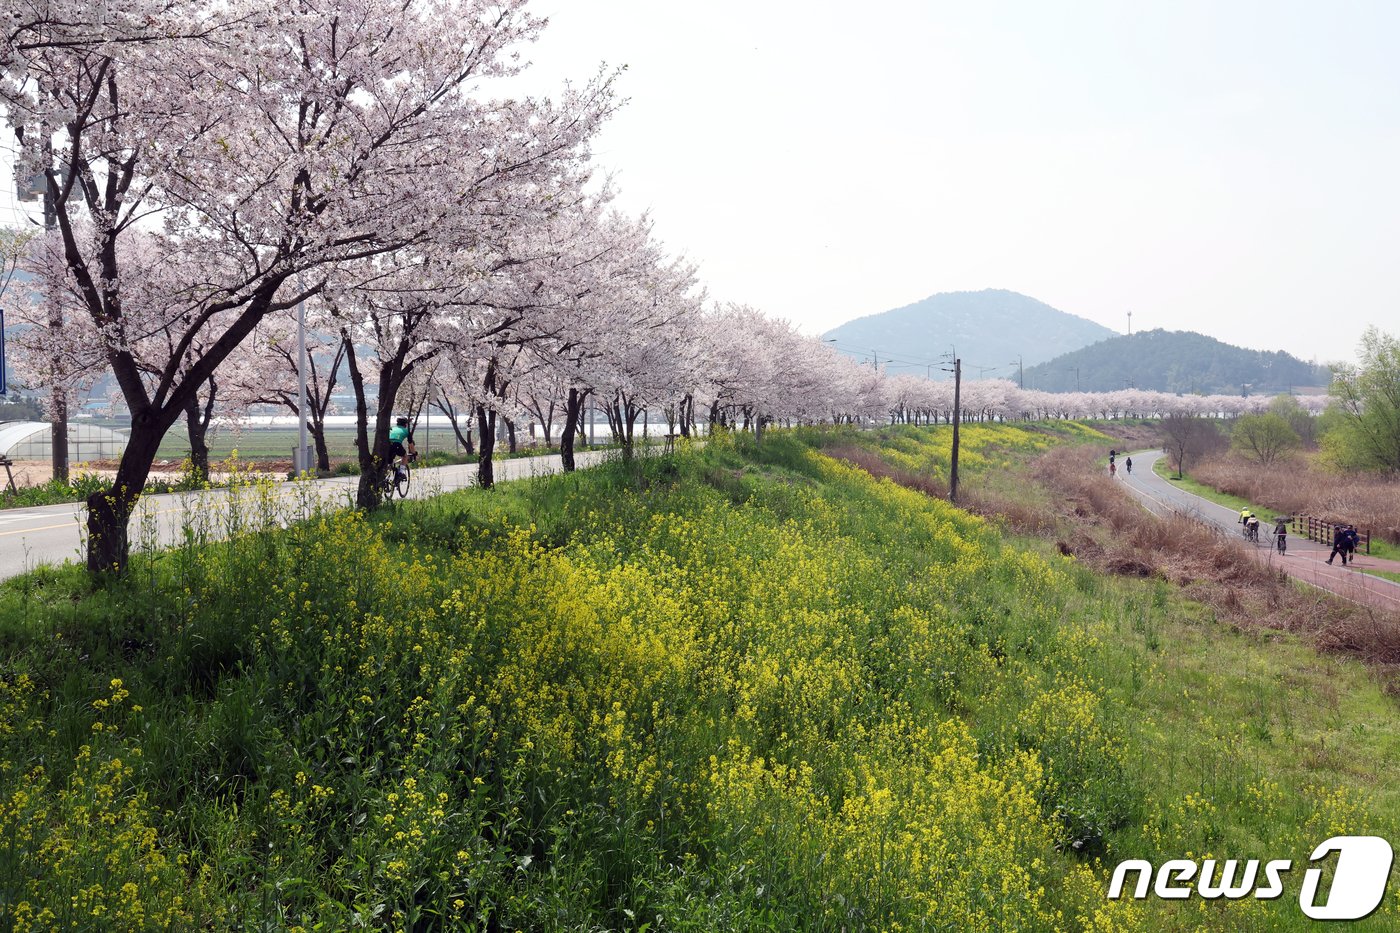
column 1305, row 560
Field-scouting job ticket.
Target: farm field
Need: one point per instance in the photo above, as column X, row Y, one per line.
column 738, row 688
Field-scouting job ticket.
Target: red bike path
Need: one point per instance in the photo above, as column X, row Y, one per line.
column 1305, row 560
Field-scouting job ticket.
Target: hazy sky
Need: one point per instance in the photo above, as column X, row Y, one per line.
column 1226, row 167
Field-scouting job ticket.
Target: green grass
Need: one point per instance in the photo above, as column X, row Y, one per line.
column 1390, row 575
column 1161, row 468
column 738, row 688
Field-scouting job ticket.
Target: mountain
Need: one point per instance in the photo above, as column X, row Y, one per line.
column 990, row 330
column 1174, row 361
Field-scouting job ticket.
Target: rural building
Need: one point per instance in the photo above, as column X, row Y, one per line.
column 29, row 440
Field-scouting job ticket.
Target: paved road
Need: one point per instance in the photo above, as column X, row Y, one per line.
column 1304, row 560
column 52, row 534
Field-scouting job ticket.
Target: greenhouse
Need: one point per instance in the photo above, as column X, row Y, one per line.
column 30, row 440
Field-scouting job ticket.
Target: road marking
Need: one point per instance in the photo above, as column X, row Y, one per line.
column 25, row 531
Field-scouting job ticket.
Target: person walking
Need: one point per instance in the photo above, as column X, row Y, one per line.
column 1341, row 544
column 1129, row 464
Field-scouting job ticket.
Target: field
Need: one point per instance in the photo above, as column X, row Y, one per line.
column 737, row 688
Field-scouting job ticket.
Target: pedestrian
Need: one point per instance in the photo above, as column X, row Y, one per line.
column 1341, row 544
column 1353, row 543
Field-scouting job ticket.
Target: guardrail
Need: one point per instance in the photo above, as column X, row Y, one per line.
column 1318, row 530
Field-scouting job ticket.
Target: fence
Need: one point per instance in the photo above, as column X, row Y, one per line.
column 1318, row 530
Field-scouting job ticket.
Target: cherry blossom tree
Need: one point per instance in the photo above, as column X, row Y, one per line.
column 301, row 139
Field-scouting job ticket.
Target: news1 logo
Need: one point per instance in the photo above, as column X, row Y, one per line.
column 1357, row 889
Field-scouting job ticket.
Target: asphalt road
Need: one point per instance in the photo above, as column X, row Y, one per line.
column 53, row 534
column 1304, row 560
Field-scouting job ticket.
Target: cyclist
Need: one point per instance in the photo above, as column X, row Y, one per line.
column 399, row 435
column 1251, row 528
column 1281, row 533
column 1112, row 468
column 1129, row 464
column 1244, row 515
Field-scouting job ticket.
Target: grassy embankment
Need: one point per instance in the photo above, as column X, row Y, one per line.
column 733, row 689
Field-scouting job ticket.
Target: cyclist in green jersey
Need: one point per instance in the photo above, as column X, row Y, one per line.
column 399, row 436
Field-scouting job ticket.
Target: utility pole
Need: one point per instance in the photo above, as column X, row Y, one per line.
column 1130, row 323
column 1020, row 371
column 957, row 416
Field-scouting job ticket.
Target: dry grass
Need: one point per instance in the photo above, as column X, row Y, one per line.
column 1299, row 487
column 1099, row 523
column 1214, row 567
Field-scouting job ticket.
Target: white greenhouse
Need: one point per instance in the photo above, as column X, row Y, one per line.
column 29, row 440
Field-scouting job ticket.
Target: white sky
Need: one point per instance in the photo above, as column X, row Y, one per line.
column 1231, row 168
column 1226, row 167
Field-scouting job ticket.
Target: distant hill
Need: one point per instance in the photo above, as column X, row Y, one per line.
column 1174, row 361
column 990, row 329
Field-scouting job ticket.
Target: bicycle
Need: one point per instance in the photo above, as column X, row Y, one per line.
column 1251, row 533
column 396, row 478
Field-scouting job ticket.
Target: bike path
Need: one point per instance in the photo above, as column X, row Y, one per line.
column 1305, row 560
column 52, row 534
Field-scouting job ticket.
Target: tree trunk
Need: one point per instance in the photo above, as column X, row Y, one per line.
column 510, row 434
column 320, row 404
column 109, row 511
column 197, row 418
column 198, row 430
column 486, row 427
column 687, row 414
column 373, row 450
column 323, row 454
column 58, row 436
column 572, row 408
